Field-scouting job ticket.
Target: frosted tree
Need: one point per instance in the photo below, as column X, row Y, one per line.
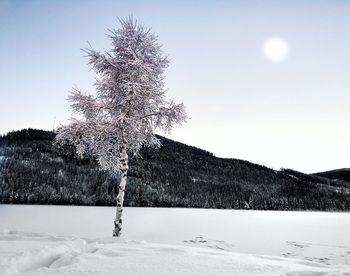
column 128, row 106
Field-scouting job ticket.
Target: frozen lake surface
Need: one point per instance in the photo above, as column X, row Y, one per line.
column 233, row 241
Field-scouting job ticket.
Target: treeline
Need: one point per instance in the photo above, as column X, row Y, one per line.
column 37, row 172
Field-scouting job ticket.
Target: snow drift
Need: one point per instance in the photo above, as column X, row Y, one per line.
column 66, row 240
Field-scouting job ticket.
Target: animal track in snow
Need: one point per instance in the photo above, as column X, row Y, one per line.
column 214, row 244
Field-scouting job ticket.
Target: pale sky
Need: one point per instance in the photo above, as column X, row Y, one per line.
column 293, row 113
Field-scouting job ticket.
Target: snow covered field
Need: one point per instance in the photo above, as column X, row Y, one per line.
column 66, row 240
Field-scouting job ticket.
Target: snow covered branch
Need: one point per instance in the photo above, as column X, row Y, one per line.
column 129, row 103
column 128, row 107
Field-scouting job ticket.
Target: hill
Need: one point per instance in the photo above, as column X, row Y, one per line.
column 176, row 175
column 340, row 174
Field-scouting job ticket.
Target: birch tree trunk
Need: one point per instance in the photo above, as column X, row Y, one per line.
column 120, row 197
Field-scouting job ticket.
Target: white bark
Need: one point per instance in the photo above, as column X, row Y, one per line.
column 129, row 104
column 120, row 197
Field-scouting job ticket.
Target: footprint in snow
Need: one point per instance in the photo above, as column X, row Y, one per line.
column 208, row 243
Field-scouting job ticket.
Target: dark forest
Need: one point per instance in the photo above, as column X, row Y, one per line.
column 35, row 171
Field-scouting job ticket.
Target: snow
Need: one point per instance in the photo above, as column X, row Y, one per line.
column 66, row 240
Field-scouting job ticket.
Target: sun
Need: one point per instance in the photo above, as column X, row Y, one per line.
column 276, row 49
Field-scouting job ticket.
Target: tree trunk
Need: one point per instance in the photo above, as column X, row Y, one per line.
column 120, row 197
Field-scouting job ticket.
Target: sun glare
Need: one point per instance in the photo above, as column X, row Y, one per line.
column 275, row 49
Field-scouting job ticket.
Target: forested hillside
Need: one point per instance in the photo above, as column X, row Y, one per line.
column 34, row 171
column 340, row 174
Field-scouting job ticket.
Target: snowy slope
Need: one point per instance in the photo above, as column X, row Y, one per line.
column 57, row 240
column 39, row 254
